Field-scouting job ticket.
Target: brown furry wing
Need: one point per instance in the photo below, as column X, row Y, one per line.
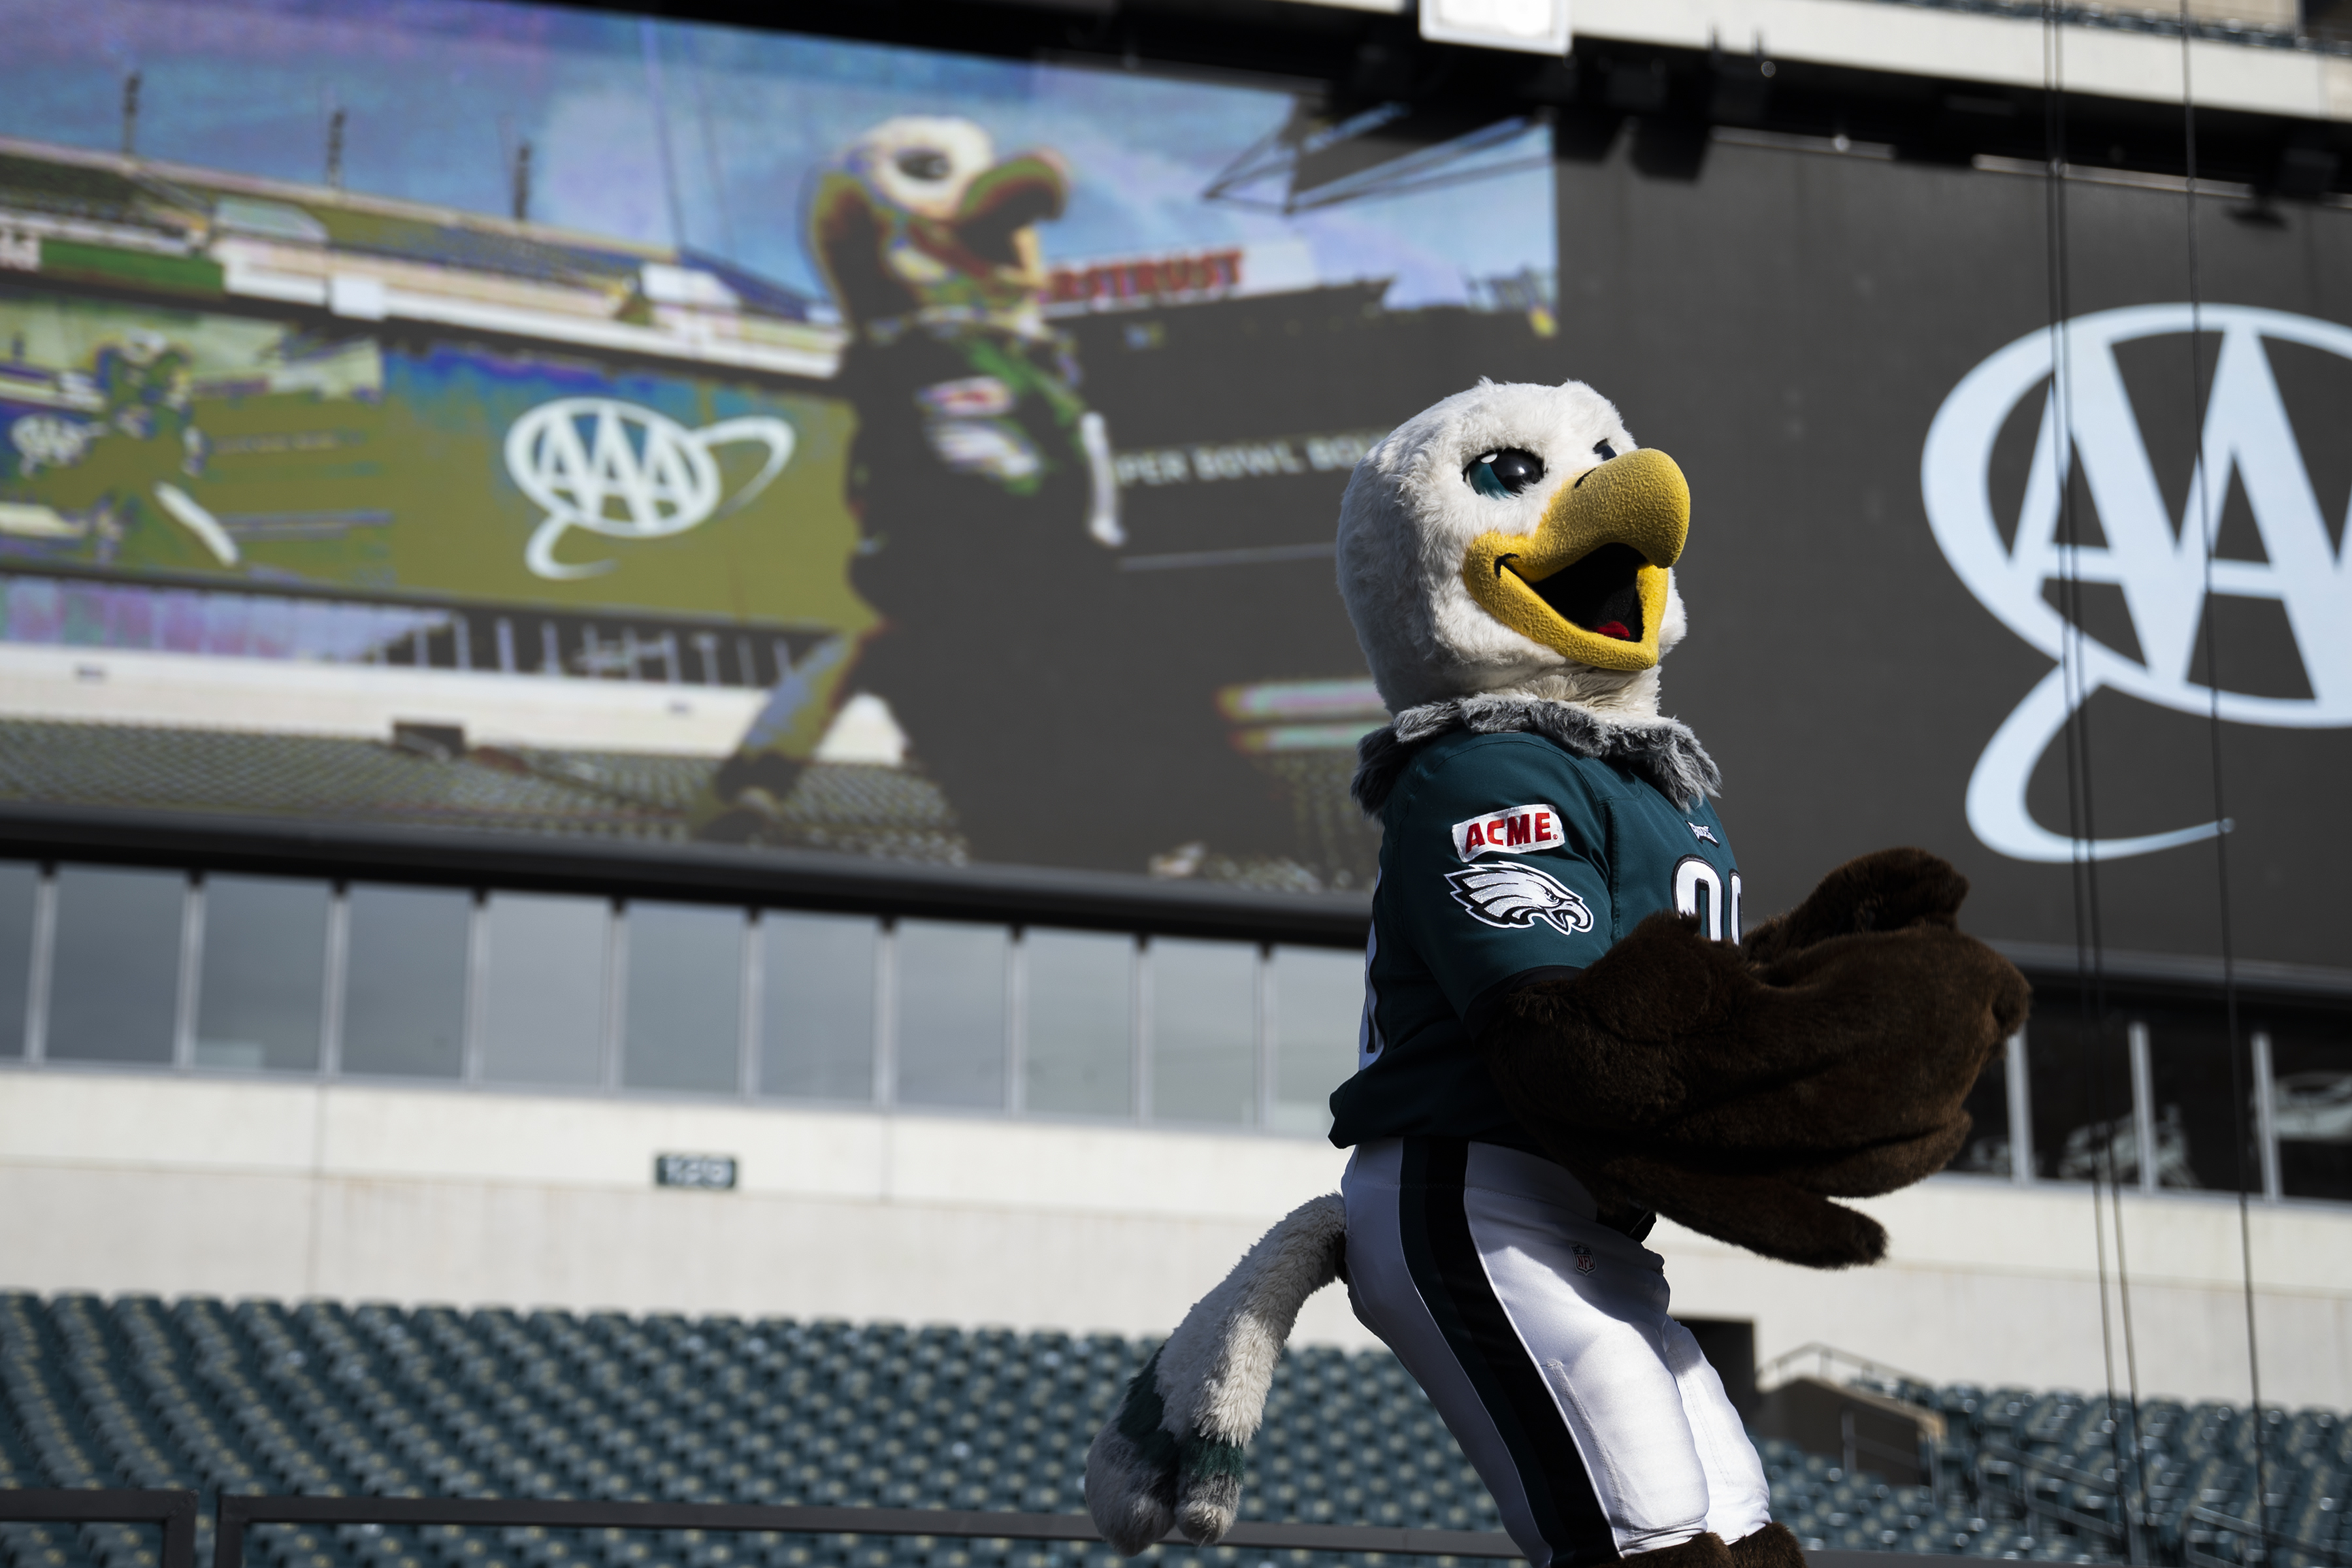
column 1900, row 1026
column 1736, row 1095
column 1887, row 890
column 1764, row 1214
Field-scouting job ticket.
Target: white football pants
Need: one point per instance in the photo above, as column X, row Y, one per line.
column 1541, row 1336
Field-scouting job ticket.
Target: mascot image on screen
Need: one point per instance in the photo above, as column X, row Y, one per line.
column 1566, row 1035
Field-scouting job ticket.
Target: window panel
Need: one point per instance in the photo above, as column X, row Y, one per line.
column 2080, row 1076
column 544, row 989
column 404, row 980
column 950, row 1014
column 2311, row 1108
column 685, row 997
column 1081, row 1012
column 816, row 1037
column 1318, row 1010
column 20, row 886
column 264, row 979
column 2204, row 1124
column 114, row 979
column 1987, row 1151
column 1203, row 1031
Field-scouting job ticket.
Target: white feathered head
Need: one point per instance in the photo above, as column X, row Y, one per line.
column 924, row 162
column 1512, row 538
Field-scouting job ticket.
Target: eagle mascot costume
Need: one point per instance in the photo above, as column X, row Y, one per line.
column 1565, row 1032
column 988, row 508
column 976, row 462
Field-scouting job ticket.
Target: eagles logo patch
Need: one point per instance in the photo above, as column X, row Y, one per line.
column 1509, row 895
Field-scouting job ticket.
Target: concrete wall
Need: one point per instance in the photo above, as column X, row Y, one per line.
column 122, row 1181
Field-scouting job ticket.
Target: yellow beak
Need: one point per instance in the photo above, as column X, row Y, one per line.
column 1598, row 559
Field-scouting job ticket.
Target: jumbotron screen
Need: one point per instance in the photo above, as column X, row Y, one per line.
column 554, row 422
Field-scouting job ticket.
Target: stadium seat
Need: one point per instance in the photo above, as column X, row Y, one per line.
column 374, row 1399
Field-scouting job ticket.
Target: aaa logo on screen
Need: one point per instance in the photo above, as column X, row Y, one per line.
column 2159, row 560
column 626, row 471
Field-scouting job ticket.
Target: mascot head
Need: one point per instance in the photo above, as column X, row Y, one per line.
column 924, row 164
column 1512, row 538
column 922, row 216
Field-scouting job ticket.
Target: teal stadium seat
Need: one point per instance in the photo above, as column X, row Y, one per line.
column 325, row 1398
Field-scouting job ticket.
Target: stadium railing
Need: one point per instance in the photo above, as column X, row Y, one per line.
column 2275, row 1542
column 2036, row 1505
column 238, row 1514
column 174, row 1510
column 235, row 1515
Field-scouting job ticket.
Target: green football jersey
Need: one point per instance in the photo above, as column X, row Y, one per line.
column 1506, row 857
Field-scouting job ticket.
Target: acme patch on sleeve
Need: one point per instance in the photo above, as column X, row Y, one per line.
column 1515, row 830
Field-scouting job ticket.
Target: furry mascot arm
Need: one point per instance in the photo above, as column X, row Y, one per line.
column 1735, row 1090
column 1172, row 1453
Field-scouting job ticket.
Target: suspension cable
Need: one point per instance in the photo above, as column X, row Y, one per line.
column 2208, row 534
column 2089, row 945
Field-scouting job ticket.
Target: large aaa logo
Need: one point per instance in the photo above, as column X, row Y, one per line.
column 625, row 471
column 2157, row 559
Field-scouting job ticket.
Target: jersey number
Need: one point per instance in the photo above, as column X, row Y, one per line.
column 1698, row 890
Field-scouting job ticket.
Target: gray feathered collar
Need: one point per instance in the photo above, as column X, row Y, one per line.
column 1662, row 751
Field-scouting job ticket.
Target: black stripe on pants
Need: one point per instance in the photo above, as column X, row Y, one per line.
column 1435, row 1227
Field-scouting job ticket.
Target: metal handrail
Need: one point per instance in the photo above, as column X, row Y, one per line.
column 2034, row 1463
column 1994, row 1449
column 1826, row 1355
column 174, row 1510
column 2269, row 1537
column 2139, row 1513
column 237, row 1514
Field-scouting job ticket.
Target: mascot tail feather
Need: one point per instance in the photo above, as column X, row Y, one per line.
column 1173, row 1454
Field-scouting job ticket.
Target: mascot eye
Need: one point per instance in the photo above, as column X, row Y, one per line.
column 1504, row 473
column 922, row 163
column 1603, row 450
